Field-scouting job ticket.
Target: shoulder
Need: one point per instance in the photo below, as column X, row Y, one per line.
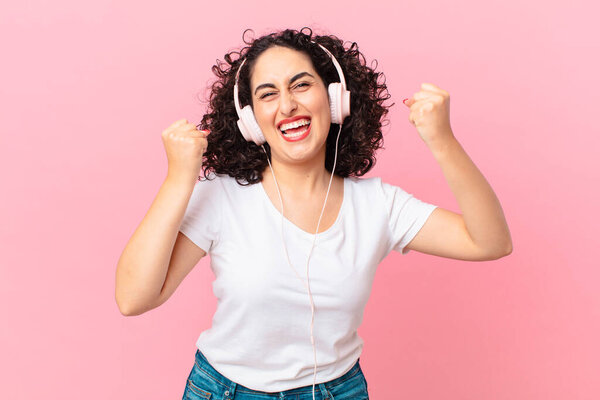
column 365, row 190
column 222, row 185
column 363, row 183
column 372, row 186
column 376, row 190
column 219, row 180
column 377, row 184
column 211, row 187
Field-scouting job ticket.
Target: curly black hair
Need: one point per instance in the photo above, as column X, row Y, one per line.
column 229, row 153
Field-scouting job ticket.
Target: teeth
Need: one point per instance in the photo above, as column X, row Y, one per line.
column 293, row 135
column 294, row 124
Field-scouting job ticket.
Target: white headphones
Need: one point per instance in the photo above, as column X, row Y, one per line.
column 339, row 105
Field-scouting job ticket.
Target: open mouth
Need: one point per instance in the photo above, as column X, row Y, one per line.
column 296, row 130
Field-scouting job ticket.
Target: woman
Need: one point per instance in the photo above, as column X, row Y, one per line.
column 294, row 234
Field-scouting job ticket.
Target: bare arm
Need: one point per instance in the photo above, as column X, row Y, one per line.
column 481, row 232
column 143, row 266
column 157, row 258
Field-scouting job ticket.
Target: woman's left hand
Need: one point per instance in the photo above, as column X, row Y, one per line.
column 430, row 114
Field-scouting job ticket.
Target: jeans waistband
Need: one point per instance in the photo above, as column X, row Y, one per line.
column 205, row 365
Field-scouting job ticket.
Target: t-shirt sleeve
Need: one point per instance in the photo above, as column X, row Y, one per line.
column 407, row 215
column 202, row 219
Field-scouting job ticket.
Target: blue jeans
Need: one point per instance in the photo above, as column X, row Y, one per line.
column 205, row 383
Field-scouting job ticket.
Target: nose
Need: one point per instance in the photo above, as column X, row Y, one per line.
column 288, row 103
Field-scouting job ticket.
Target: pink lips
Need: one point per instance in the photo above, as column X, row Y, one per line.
column 295, row 139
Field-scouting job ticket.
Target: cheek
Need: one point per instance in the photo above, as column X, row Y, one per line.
column 326, row 113
column 263, row 114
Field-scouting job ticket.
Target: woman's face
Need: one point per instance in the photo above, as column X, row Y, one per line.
column 284, row 86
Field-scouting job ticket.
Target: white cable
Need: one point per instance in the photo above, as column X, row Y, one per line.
column 307, row 284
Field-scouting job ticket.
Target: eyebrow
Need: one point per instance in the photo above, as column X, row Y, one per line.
column 293, row 78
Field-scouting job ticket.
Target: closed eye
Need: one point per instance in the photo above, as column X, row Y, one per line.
column 302, row 84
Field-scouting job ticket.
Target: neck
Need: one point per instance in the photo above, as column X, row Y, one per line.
column 309, row 179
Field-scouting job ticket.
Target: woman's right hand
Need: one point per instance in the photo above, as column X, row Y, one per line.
column 185, row 146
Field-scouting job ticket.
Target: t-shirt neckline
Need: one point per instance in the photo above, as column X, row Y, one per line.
column 328, row 231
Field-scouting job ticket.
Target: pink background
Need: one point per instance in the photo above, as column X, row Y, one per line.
column 87, row 89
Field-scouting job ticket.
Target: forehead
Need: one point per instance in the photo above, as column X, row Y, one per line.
column 277, row 64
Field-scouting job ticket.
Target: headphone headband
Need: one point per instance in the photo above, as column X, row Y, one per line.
column 333, row 59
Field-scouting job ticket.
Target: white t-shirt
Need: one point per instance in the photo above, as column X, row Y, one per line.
column 260, row 333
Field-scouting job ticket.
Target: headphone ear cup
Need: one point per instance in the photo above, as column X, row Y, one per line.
column 243, row 129
column 249, row 127
column 339, row 102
